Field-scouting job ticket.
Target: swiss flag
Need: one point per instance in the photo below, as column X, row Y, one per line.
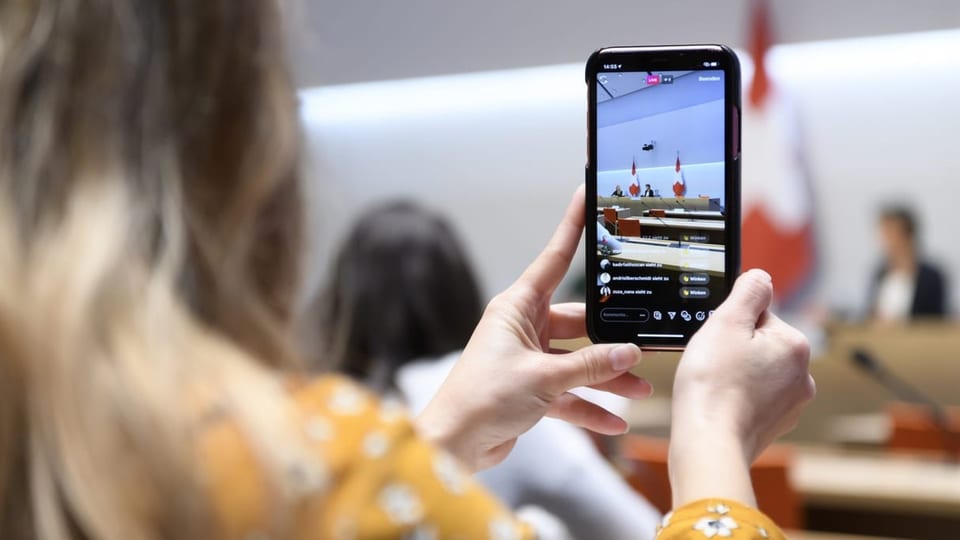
column 778, row 231
column 634, row 188
column 680, row 183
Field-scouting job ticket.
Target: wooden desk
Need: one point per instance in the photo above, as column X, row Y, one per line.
column 875, row 493
column 701, row 231
column 925, row 354
column 696, row 214
column 879, row 482
column 879, row 494
column 640, row 204
column 690, row 258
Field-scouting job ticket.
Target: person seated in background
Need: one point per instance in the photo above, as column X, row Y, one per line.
column 905, row 285
column 617, row 192
column 400, row 305
column 151, row 237
column 648, row 191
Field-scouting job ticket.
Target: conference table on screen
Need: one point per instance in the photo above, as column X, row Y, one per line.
column 827, row 472
column 681, row 229
column 689, row 257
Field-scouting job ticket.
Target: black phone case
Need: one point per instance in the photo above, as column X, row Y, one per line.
column 667, row 57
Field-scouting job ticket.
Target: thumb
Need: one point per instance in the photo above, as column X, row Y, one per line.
column 592, row 365
column 750, row 298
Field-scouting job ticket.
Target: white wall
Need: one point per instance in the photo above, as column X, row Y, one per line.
column 696, row 132
column 371, row 40
column 501, row 152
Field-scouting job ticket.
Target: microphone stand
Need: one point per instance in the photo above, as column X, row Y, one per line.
column 904, row 391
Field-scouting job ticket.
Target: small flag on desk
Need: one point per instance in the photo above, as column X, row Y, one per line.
column 679, row 183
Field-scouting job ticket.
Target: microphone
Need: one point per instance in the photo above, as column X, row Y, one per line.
column 904, row 391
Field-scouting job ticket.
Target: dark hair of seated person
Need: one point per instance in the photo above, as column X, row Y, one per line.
column 401, row 289
column 903, row 216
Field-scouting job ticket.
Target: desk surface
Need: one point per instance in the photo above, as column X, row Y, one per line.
column 678, row 223
column 927, row 355
column 878, row 482
column 703, row 214
column 691, row 257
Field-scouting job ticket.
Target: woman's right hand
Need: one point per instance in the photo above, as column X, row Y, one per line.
column 742, row 382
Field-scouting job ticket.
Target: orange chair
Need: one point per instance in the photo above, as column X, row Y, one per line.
column 629, row 227
column 611, row 217
column 647, row 473
column 914, row 428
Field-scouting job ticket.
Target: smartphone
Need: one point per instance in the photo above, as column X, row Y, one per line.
column 663, row 191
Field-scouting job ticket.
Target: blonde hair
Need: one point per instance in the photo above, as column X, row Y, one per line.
column 149, row 226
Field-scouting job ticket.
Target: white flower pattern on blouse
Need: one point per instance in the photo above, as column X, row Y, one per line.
column 307, row 476
column 375, row 445
column 503, row 528
column 711, row 526
column 318, row 429
column 346, row 400
column 423, row 532
column 449, row 473
column 665, row 522
column 401, row 504
column 393, row 410
column 719, row 508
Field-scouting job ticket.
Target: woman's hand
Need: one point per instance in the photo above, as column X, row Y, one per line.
column 742, row 382
column 508, row 378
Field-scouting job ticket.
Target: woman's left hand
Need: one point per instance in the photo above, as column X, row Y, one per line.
column 508, row 378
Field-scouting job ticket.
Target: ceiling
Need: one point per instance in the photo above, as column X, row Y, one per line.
column 364, row 40
column 615, row 85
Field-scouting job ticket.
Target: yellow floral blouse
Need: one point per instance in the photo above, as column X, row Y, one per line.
column 373, row 478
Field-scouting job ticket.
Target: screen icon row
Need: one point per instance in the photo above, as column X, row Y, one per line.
column 635, row 315
column 684, row 314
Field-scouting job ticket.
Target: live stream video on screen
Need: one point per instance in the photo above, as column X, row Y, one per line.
column 660, row 176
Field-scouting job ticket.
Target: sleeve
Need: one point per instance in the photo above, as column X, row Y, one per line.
column 386, row 482
column 718, row 518
column 576, row 483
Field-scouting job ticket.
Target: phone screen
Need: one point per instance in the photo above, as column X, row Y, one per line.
column 662, row 196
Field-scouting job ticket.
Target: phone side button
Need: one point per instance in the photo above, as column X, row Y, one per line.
column 735, row 135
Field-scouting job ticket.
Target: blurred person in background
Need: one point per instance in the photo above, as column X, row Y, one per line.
column 401, row 304
column 905, row 286
column 150, row 241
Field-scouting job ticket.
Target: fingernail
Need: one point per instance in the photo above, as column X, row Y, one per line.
column 650, row 386
column 762, row 274
column 624, row 357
